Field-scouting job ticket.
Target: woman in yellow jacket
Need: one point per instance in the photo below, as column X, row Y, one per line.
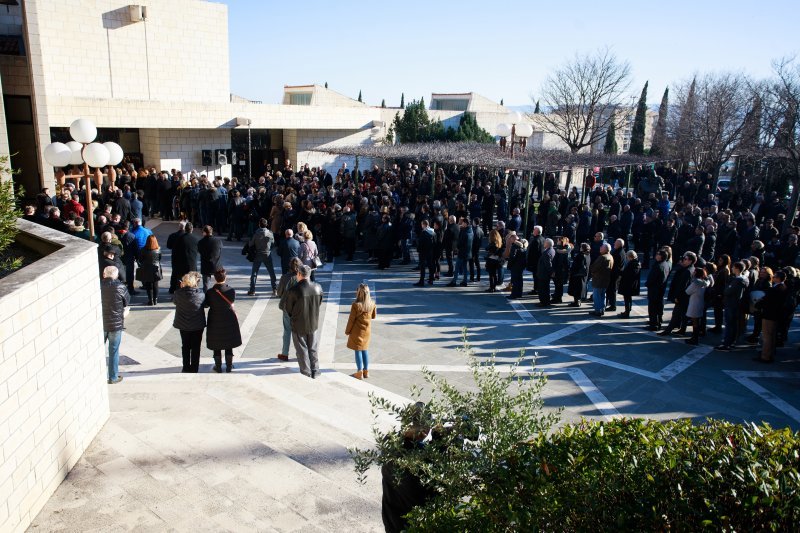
column 358, row 328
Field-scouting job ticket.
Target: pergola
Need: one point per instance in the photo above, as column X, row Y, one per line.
column 488, row 155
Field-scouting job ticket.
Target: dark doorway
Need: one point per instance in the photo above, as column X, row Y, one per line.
column 22, row 144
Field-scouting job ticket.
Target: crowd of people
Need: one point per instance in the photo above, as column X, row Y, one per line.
column 730, row 251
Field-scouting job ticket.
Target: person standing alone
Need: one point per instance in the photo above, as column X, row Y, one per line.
column 114, row 298
column 302, row 305
column 358, row 329
column 210, row 249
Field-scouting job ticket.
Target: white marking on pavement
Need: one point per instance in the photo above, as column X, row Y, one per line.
column 523, row 313
column 544, row 342
column 327, row 345
column 591, row 391
column 394, row 319
column 248, row 327
column 676, row 367
column 612, row 364
column 161, row 329
column 745, row 379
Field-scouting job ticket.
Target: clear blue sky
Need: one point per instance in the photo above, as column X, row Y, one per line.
column 497, row 49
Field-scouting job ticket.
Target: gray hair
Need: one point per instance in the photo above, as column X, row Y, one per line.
column 631, row 255
column 621, row 243
column 539, row 229
column 106, row 237
column 606, row 246
column 548, row 241
column 304, row 271
column 110, row 272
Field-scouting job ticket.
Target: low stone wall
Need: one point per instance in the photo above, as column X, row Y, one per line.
column 53, row 391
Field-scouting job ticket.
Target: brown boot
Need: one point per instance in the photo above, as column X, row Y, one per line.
column 365, row 373
column 357, row 375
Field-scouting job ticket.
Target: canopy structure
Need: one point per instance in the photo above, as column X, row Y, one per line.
column 488, row 155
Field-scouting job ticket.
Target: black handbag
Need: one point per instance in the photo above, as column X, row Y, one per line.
column 249, row 252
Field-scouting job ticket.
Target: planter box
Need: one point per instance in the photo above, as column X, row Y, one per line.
column 53, row 391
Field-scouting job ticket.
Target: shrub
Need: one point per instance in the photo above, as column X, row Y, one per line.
column 8, row 218
column 496, row 464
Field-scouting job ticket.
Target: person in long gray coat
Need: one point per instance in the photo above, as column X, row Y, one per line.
column 190, row 320
column 696, row 291
column 223, row 325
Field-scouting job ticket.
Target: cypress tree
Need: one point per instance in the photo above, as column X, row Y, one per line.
column 611, row 140
column 383, row 103
column 536, row 110
column 359, row 97
column 637, row 134
column 660, row 135
column 326, row 84
column 501, row 102
column 685, row 134
column 402, row 100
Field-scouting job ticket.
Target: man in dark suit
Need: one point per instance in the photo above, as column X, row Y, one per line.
column 172, row 241
column 122, row 207
column 289, row 248
column 544, row 272
column 535, row 248
column 677, row 294
column 184, row 253
column 425, row 243
column 656, row 287
column 210, row 249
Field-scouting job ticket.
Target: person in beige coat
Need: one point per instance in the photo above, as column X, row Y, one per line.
column 358, row 329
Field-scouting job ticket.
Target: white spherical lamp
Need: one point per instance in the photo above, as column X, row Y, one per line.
column 96, row 155
column 524, row 130
column 503, row 129
column 75, row 147
column 515, row 117
column 115, row 151
column 83, row 131
column 57, row 154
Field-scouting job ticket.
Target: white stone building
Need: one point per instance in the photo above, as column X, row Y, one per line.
column 160, row 88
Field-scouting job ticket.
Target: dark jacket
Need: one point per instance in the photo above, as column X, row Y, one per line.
column 210, row 249
column 289, row 248
column 773, row 304
column 189, row 313
column 262, row 242
column 578, row 274
column 114, row 298
column 302, row 305
column 601, row 271
column 681, row 280
column 544, row 269
column 287, row 281
column 465, row 238
column 535, row 247
column 629, row 278
column 149, row 266
column 426, row 242
column 657, row 280
column 223, row 327
column 734, row 291
column 184, row 255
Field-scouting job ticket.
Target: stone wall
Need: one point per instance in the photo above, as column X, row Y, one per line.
column 53, row 391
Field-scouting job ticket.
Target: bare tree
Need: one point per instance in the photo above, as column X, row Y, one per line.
column 582, row 98
column 781, row 124
column 712, row 111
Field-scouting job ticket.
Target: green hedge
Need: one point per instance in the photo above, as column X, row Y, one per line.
column 498, row 462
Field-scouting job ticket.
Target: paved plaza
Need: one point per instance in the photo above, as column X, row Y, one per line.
column 265, row 448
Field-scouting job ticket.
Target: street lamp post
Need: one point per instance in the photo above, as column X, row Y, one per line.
column 92, row 154
column 516, row 130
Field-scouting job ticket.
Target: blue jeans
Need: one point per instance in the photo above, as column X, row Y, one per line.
column 114, row 338
column 362, row 359
column 257, row 262
column 461, row 268
column 287, row 333
column 599, row 299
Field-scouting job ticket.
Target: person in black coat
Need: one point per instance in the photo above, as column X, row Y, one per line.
column 677, row 294
column 149, row 271
column 579, row 274
column 210, row 249
column 517, row 261
column 172, row 240
column 190, row 320
column 109, row 257
column 426, row 242
column 773, row 308
column 184, row 252
column 474, row 259
column 544, row 272
column 629, row 282
column 535, row 248
column 561, row 268
column 618, row 254
column 656, row 287
column 223, row 325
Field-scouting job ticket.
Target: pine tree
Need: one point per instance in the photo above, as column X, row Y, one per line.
column 326, row 84
column 611, row 140
column 501, row 102
column 536, row 109
column 660, row 135
column 383, row 103
column 359, row 97
column 639, row 122
column 685, row 133
column 402, row 100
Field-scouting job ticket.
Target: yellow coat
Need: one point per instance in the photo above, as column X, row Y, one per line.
column 358, row 326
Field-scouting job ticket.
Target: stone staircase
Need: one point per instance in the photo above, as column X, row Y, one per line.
column 263, row 449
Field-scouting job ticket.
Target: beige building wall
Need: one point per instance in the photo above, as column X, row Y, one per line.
column 306, row 140
column 182, row 150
